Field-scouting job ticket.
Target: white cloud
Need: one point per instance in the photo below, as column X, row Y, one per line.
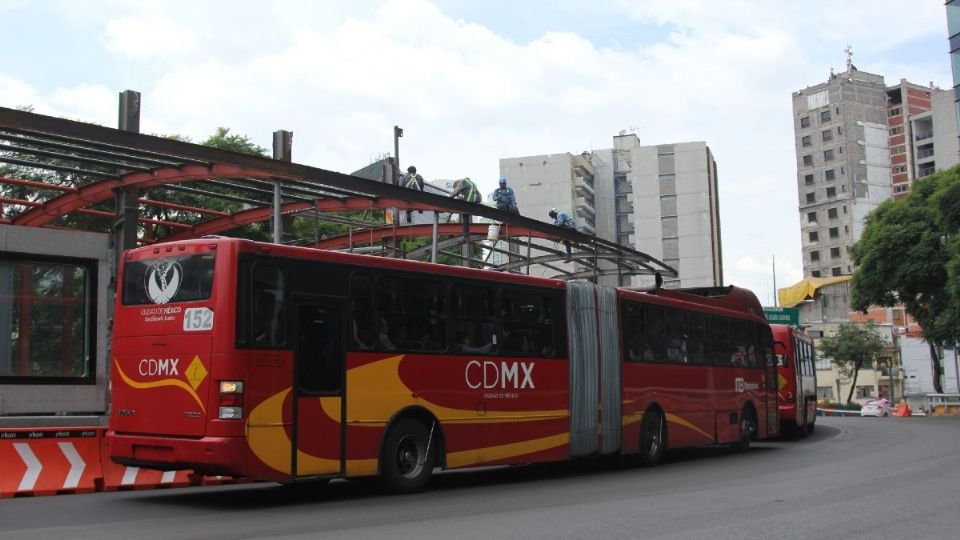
column 152, row 37
column 341, row 75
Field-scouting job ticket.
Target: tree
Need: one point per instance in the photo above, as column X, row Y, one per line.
column 910, row 253
column 853, row 347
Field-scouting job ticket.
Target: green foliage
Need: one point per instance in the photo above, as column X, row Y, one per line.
column 910, row 253
column 850, row 349
column 224, row 140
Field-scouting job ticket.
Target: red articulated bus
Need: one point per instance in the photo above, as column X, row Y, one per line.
column 797, row 380
column 283, row 363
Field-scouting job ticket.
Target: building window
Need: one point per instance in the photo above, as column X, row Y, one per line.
column 50, row 311
column 829, row 174
column 814, row 236
column 894, row 112
column 805, row 140
column 831, row 192
column 824, row 392
column 899, row 169
column 815, row 273
column 828, row 155
column 825, row 117
column 808, row 179
column 839, row 130
column 832, row 213
column 897, row 150
column 834, row 232
column 827, row 135
column 805, row 122
column 835, row 271
column 864, row 392
column 844, row 209
column 811, row 197
column 811, row 217
column 814, row 256
column 896, row 130
column 834, row 253
column 808, row 160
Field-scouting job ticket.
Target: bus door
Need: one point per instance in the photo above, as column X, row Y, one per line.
column 771, row 390
column 318, row 389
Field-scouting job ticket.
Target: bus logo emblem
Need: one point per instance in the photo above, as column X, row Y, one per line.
column 163, row 280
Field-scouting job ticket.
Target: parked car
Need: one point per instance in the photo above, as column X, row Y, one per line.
column 877, row 407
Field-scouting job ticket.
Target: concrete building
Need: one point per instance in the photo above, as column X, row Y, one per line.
column 934, row 143
column 903, row 101
column 673, row 200
column 562, row 181
column 843, row 165
column 661, row 200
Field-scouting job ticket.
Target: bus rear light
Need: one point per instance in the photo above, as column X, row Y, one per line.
column 231, row 400
column 231, row 387
column 231, row 413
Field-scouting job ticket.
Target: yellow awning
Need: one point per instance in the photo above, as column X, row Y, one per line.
column 807, row 288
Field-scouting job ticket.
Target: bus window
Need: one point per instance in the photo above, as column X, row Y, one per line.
column 168, row 280
column 718, row 341
column 473, row 319
column 677, row 340
column 361, row 313
column 269, row 306
column 696, row 339
column 528, row 322
column 412, row 314
column 654, row 330
column 319, row 363
column 631, row 328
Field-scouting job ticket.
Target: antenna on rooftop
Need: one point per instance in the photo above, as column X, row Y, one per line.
column 849, row 51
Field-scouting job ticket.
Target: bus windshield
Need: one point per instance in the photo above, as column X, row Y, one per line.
column 186, row 278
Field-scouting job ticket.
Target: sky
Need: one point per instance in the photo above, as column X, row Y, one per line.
column 474, row 81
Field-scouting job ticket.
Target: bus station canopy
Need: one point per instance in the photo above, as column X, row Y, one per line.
column 62, row 173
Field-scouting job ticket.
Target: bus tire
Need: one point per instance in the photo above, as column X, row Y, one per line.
column 406, row 463
column 652, row 438
column 748, row 426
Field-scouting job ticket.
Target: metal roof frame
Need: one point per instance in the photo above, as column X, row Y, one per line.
column 97, row 162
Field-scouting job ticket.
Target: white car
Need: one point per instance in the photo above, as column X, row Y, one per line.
column 877, row 407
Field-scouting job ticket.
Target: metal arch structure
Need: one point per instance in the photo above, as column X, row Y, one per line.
column 93, row 165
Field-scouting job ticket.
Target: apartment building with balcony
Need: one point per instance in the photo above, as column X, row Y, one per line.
column 934, row 143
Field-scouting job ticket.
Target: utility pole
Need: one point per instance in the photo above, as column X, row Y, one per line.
column 397, row 133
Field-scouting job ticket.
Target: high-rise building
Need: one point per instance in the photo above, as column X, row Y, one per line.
column 843, row 165
column 668, row 206
column 934, row 141
column 903, row 101
column 953, row 30
column 661, row 200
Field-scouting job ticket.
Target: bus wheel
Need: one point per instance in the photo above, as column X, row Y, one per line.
column 652, row 440
column 748, row 425
column 408, row 456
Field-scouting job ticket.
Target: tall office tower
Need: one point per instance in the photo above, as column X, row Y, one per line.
column 903, row 101
column 843, row 165
column 671, row 193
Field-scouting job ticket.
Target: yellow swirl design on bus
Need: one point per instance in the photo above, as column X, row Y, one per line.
column 268, row 439
column 157, row 384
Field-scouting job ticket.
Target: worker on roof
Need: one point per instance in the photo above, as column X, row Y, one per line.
column 505, row 198
column 466, row 189
column 413, row 181
column 562, row 219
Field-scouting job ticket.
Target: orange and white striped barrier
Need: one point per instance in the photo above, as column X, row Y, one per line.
column 47, row 461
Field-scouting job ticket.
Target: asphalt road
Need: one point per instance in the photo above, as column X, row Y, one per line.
column 854, row 478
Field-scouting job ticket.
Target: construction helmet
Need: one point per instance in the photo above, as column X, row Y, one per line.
column 503, row 180
column 553, row 213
